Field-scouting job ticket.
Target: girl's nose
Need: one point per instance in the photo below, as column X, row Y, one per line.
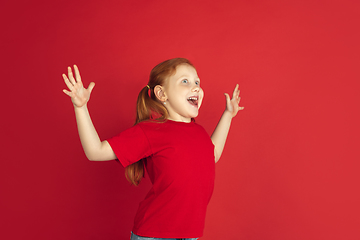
column 196, row 88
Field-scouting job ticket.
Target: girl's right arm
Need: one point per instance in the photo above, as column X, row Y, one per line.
column 95, row 149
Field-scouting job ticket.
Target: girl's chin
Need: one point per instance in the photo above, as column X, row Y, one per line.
column 194, row 115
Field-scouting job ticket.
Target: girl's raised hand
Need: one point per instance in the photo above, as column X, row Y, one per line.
column 79, row 95
column 232, row 105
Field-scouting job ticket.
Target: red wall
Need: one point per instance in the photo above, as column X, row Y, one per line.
column 290, row 166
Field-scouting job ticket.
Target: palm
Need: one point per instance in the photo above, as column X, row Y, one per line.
column 232, row 105
column 79, row 95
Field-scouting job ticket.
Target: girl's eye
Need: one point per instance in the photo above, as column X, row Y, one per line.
column 184, row 81
column 197, row 83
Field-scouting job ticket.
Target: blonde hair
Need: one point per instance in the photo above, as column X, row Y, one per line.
column 149, row 107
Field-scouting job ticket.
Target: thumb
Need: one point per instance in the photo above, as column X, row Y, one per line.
column 91, row 86
column 227, row 97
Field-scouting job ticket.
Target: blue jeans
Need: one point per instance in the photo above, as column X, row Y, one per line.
column 136, row 237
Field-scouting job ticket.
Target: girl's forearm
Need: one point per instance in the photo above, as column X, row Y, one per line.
column 220, row 134
column 94, row 149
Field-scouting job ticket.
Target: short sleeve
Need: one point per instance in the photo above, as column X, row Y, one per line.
column 130, row 145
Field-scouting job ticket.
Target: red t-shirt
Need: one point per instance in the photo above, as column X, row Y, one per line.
column 181, row 166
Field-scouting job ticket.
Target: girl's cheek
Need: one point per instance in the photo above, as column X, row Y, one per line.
column 200, row 104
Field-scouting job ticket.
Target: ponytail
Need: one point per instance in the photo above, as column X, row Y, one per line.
column 135, row 172
column 148, row 107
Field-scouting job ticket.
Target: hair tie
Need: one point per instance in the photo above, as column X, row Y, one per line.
column 148, row 91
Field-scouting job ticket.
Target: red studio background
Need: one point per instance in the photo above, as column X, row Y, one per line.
column 290, row 168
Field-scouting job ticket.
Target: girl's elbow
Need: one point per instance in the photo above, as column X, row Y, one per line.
column 99, row 157
column 92, row 157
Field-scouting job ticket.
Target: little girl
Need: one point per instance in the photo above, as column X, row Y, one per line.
column 177, row 153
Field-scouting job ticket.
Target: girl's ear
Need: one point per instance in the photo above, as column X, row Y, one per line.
column 160, row 93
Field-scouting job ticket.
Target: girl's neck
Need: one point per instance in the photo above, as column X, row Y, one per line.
column 185, row 120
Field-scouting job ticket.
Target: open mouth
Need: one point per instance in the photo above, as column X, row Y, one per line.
column 193, row 100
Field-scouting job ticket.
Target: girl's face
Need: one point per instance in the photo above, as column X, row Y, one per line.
column 183, row 94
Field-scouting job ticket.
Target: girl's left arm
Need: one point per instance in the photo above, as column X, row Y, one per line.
column 222, row 129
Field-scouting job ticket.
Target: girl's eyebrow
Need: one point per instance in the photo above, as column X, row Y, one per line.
column 187, row 76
